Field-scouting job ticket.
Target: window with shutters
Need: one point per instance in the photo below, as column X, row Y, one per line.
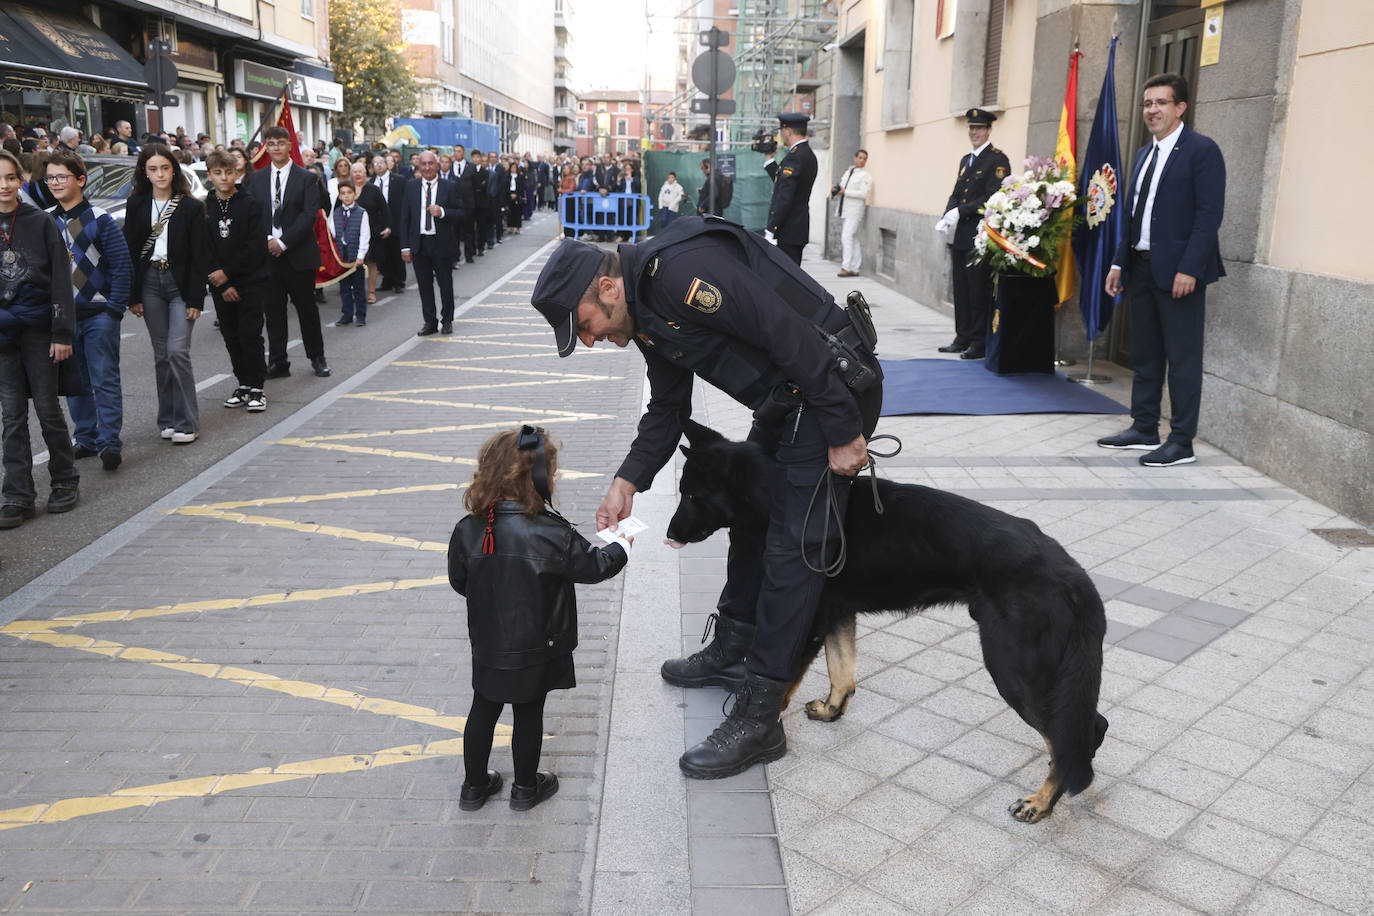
column 898, row 40
column 992, row 63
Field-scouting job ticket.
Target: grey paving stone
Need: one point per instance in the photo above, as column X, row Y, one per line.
column 923, row 882
column 1056, row 880
column 1159, row 645
column 1142, row 810
column 729, row 813
column 1213, row 613
column 857, row 899
column 747, row 901
column 735, row 861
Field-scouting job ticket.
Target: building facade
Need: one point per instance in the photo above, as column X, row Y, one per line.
column 82, row 64
column 1288, row 359
column 609, row 121
column 491, row 62
column 564, row 96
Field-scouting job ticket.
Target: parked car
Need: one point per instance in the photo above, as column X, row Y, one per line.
column 110, row 180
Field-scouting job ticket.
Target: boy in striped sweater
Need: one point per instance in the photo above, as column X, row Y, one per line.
column 102, row 272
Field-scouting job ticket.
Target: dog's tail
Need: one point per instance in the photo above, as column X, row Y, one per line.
column 1076, row 728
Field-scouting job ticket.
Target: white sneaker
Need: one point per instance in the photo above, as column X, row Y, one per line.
column 180, row 438
column 257, row 401
column 168, row 432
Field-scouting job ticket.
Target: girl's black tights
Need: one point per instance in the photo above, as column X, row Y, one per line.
column 525, row 742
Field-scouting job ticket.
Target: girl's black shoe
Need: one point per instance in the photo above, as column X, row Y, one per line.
column 523, row 798
column 473, row 797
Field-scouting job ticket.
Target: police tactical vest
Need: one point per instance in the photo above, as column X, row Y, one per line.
column 745, row 372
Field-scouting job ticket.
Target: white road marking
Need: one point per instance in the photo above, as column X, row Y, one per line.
column 212, row 380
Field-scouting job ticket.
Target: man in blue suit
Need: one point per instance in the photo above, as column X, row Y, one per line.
column 1166, row 260
column 429, row 224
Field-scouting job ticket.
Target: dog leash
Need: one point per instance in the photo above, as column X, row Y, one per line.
column 827, row 480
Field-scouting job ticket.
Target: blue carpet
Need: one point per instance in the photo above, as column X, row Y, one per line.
column 955, row 386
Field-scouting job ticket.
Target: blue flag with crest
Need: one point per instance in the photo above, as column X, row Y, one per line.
column 1102, row 189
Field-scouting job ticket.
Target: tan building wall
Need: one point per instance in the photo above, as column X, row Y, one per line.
column 1317, row 218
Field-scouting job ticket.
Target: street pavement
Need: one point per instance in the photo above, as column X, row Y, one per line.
column 250, row 696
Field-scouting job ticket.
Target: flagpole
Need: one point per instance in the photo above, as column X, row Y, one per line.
column 1059, row 360
column 1087, row 378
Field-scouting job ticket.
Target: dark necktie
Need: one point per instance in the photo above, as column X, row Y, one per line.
column 276, row 204
column 1138, row 215
column 429, row 217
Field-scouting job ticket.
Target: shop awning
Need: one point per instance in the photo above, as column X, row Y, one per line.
column 54, row 52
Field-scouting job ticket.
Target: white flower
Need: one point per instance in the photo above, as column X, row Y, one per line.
column 1033, row 241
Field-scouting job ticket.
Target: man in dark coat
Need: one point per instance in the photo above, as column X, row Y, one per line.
column 481, row 203
column 289, row 197
column 465, row 175
column 980, row 175
column 789, row 212
column 429, row 239
column 1170, row 254
column 392, row 188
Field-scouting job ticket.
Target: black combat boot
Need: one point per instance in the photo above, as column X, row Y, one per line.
column 721, row 664
column 752, row 733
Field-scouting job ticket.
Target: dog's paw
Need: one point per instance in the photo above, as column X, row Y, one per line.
column 821, row 711
column 1028, row 810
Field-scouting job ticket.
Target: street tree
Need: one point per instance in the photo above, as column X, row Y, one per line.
column 369, row 60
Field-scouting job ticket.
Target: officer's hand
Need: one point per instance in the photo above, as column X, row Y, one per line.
column 616, row 505
column 1113, row 284
column 848, row 460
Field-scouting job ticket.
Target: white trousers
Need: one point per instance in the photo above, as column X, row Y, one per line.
column 851, row 255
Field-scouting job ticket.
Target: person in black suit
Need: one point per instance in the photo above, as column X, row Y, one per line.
column 498, row 180
column 980, row 175
column 465, row 174
column 392, row 188
column 429, row 239
column 481, row 203
column 789, row 211
column 289, row 200
column 1170, row 254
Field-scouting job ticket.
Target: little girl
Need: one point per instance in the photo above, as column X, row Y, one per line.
column 515, row 560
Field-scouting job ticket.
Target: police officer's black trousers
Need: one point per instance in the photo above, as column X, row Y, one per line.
column 972, row 294
column 792, row 251
column 768, row 583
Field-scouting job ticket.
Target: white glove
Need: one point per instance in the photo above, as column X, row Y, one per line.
column 769, row 237
column 948, row 221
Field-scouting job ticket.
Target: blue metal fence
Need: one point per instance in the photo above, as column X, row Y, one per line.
column 590, row 211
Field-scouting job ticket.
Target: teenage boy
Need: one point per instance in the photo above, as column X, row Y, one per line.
column 239, row 272
column 351, row 232
column 102, row 272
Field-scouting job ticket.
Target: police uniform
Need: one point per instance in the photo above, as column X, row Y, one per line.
column 979, row 177
column 789, row 211
column 709, row 299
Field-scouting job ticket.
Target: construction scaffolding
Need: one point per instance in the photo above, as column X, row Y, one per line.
column 777, row 47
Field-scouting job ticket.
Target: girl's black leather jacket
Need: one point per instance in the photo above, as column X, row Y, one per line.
column 522, row 609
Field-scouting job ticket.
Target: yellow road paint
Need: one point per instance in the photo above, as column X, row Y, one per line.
column 482, row 386
column 427, row 430
column 455, row 364
column 486, row 342
column 204, row 786
column 348, row 534
column 317, row 497
column 416, row 456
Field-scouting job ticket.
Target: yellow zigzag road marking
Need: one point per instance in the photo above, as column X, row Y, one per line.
column 350, row 534
column 337, row 437
column 519, row 413
column 417, row 456
column 447, row 363
column 484, row 341
column 20, row 628
column 486, row 386
column 531, row 323
column 147, row 796
column 317, row 497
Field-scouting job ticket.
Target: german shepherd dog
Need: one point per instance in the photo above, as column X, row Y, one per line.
column 1040, row 619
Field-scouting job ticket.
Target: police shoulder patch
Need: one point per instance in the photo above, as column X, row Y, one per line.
column 788, row 171
column 1001, row 171
column 703, row 297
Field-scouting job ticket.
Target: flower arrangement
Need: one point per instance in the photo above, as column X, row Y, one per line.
column 1026, row 221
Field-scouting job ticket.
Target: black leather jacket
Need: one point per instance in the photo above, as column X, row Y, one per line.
column 522, row 609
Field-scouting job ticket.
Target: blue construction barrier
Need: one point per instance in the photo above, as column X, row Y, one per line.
column 590, row 211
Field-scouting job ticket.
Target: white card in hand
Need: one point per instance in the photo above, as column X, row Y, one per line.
column 628, row 527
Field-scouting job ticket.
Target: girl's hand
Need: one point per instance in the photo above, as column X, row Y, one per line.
column 192, row 314
column 230, row 294
column 136, row 309
column 59, row 352
column 218, row 278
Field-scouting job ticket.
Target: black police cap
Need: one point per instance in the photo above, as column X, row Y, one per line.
column 794, row 119
column 980, row 116
column 565, row 277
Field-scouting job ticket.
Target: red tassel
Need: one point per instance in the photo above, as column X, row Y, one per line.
column 488, row 540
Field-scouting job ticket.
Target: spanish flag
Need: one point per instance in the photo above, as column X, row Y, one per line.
column 332, row 269
column 1065, row 151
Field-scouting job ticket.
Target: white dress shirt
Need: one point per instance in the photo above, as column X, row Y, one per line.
column 1164, row 148
column 432, row 186
column 384, row 186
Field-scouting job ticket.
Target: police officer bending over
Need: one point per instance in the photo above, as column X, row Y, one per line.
column 707, row 298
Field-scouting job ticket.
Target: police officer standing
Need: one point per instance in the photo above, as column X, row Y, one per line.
column 980, row 175
column 789, row 212
column 706, row 298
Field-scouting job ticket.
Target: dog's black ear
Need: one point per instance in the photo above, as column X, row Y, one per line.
column 698, row 434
